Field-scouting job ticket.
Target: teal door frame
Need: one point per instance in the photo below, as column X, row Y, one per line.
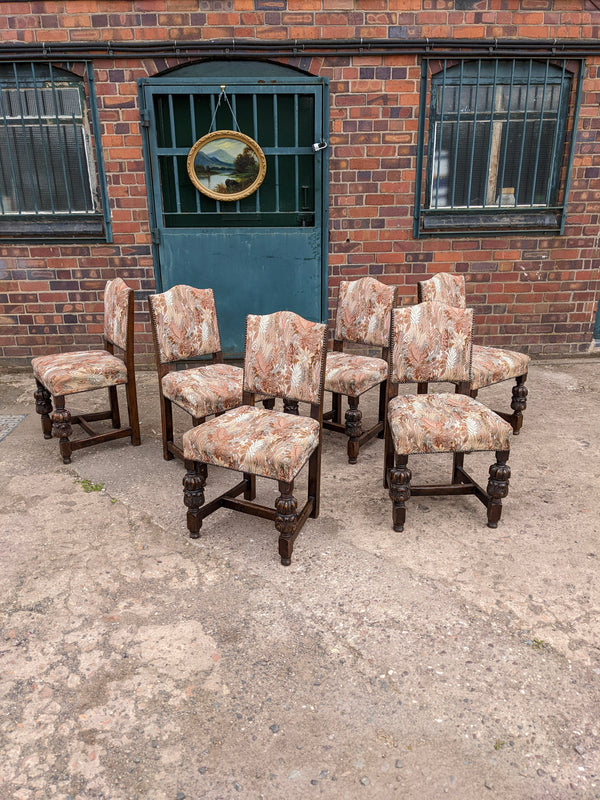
column 291, row 240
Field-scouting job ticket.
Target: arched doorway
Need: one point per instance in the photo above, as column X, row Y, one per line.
column 263, row 252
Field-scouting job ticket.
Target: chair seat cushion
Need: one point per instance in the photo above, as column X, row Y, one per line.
column 352, row 375
column 69, row 373
column 248, row 439
column 491, row 365
column 205, row 390
column 442, row 423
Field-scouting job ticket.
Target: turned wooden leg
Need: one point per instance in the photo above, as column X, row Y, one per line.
column 519, row 403
column 113, row 399
column 353, row 428
column 43, row 406
column 61, row 428
column 286, row 519
column 194, row 482
column 290, row 406
column 497, row 487
column 399, row 481
column 269, row 403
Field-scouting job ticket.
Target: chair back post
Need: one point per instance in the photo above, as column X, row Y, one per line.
column 162, row 368
column 316, row 409
column 129, row 350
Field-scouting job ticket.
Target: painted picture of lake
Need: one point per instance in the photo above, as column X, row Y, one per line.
column 226, row 165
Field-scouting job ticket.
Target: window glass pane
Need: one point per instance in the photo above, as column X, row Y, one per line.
column 494, row 133
column 44, row 165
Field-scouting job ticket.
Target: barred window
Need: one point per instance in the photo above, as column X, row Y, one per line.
column 496, row 156
column 48, row 180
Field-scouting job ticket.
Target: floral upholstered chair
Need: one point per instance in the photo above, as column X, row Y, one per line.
column 284, row 358
column 432, row 342
column 490, row 364
column 184, row 327
column 362, row 317
column 64, row 374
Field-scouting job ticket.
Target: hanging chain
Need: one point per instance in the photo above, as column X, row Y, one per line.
column 222, row 96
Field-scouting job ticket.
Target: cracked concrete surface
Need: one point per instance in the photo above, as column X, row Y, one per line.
column 449, row 660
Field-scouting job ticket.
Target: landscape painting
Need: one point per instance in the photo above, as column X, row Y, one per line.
column 226, row 165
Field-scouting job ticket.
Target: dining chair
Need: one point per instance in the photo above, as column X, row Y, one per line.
column 64, row 374
column 284, row 358
column 185, row 330
column 431, row 342
column 362, row 318
column 490, row 365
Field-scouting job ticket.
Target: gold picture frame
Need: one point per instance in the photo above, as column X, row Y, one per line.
column 226, row 165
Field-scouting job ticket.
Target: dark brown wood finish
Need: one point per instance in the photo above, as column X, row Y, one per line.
column 59, row 422
column 353, row 427
column 288, row 521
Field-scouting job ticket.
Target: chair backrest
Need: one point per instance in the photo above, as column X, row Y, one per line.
column 117, row 329
column 444, row 288
column 285, row 356
column 363, row 311
column 430, row 342
column 184, row 323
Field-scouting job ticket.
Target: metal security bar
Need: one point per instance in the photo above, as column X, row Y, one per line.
column 46, row 165
column 497, row 134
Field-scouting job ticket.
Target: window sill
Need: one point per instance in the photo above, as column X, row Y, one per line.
column 51, row 228
column 444, row 223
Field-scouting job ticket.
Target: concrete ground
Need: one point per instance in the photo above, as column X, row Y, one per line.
column 449, row 660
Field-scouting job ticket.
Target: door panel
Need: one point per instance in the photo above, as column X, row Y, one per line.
column 267, row 251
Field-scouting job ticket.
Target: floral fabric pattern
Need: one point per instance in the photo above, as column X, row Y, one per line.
column 116, row 312
column 185, row 320
column 205, row 390
column 69, row 373
column 431, row 342
column 352, row 375
column 442, row 423
column 363, row 312
column 492, row 365
column 284, row 356
column 444, row 288
column 267, row 443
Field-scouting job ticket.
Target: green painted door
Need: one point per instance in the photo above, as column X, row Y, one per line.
column 267, row 251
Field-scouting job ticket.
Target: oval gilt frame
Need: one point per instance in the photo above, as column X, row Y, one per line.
column 223, row 153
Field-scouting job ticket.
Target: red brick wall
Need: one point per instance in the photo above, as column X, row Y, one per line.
column 535, row 294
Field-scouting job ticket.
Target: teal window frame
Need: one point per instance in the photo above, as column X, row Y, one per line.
column 500, row 145
column 52, row 177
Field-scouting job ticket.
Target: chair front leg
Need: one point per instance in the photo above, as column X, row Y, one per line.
column 194, row 482
column 43, row 406
column 399, row 480
column 113, row 399
column 61, row 428
column 286, row 520
column 519, row 402
column 497, row 487
column 353, row 428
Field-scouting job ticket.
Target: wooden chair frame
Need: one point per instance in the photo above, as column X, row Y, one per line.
column 288, row 520
column 352, row 427
column 397, row 476
column 519, row 393
column 58, row 422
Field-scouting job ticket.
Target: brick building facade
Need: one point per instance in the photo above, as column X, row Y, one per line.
column 401, row 140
